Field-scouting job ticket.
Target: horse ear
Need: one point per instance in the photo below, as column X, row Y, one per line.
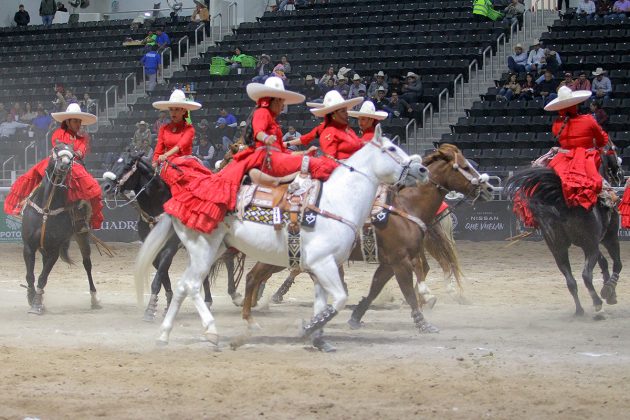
column 378, row 135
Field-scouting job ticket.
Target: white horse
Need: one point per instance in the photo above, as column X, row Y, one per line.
column 347, row 195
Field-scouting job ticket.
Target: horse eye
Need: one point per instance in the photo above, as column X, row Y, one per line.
column 391, row 148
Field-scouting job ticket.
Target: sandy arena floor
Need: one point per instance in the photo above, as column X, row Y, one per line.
column 515, row 352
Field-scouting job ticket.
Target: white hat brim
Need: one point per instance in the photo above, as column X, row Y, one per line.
column 165, row 105
column 85, row 117
column 257, row 91
column 577, row 97
column 314, row 104
column 378, row 115
column 323, row 111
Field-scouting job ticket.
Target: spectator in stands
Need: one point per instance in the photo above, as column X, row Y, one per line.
column 281, row 5
column 599, row 114
column 551, row 61
column 547, row 88
column 162, row 39
column 149, row 41
column 619, row 10
column 380, row 101
column 41, row 124
column 581, row 83
column 163, row 119
column 355, row 87
column 9, row 127
column 514, row 12
column 342, row 86
column 566, row 3
column 146, row 148
column 47, row 10
column 205, row 151
column 21, row 17
column 517, row 62
column 330, row 85
column 510, row 89
column 312, row 91
column 278, row 71
column 330, row 75
column 483, row 10
column 285, row 62
column 88, row 104
column 141, row 135
column 536, row 55
column 237, row 58
column 201, row 14
column 412, row 89
column 16, row 111
column 568, row 81
column 601, row 86
column 263, row 69
column 239, row 135
column 528, row 87
column 152, row 67
column 291, row 134
column 202, row 129
column 176, row 7
column 29, row 114
column 230, row 119
column 224, row 132
column 399, row 107
column 586, row 9
column 394, row 85
column 61, row 7
column 378, row 82
column 603, row 7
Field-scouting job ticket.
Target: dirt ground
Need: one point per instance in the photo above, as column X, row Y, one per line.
column 515, row 351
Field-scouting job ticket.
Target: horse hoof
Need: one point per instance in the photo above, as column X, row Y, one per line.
column 430, row 302
column 254, row 326
column 599, row 316
column 606, row 291
column 208, row 304
column 323, row 346
column 36, row 310
column 148, row 317
column 237, row 299
column 579, row 312
column 277, row 298
column 426, row 328
column 612, row 300
column 354, row 324
column 213, row 338
column 161, row 343
column 96, row 305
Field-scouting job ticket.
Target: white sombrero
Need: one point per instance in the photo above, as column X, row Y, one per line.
column 314, row 104
column 368, row 110
column 566, row 98
column 74, row 112
column 334, row 101
column 177, row 100
column 274, row 88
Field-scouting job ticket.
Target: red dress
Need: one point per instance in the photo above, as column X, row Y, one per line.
column 336, row 140
column 624, row 207
column 81, row 185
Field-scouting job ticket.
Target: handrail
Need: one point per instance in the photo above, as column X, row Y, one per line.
column 94, row 127
column 202, row 27
column 48, row 139
column 144, row 81
column 170, row 62
column 483, row 62
column 396, row 140
column 461, row 78
column 127, row 89
column 179, row 50
column 502, row 36
column 476, row 64
column 415, row 137
column 445, row 90
column 424, row 123
column 542, row 13
column 220, row 16
column 232, row 16
column 115, row 88
column 32, row 145
column 514, row 28
column 4, row 164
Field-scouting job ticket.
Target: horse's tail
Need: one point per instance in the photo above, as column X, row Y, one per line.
column 150, row 248
column 239, row 267
column 442, row 248
column 63, row 253
column 540, row 189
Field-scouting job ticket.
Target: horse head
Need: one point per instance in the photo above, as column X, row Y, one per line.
column 451, row 171
column 233, row 149
column 125, row 173
column 611, row 168
column 395, row 167
column 60, row 163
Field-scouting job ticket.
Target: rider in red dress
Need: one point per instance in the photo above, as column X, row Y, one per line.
column 81, row 185
column 368, row 118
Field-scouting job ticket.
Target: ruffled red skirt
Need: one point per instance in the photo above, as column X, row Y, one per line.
column 81, row 186
column 522, row 210
column 624, row 207
column 581, row 181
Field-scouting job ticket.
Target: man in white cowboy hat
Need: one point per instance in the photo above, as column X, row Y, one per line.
column 535, row 57
column 263, row 69
column 412, row 88
column 601, row 86
column 356, row 87
column 517, row 61
column 342, row 86
column 312, row 91
column 81, row 185
column 379, row 81
column 141, row 135
column 368, row 118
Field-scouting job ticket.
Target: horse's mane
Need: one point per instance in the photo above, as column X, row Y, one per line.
column 441, row 153
column 234, row 149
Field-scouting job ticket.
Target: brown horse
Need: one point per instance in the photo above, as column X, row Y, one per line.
column 401, row 241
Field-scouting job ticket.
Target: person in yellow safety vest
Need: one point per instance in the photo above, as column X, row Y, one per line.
column 483, row 10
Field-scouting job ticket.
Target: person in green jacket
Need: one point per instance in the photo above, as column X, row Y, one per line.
column 483, row 10
column 236, row 59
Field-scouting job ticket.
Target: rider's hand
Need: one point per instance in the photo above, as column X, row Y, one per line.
column 311, row 150
column 162, row 158
column 270, row 140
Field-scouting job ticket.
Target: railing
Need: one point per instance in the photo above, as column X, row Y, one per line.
column 31, row 145
column 232, row 15
column 201, row 27
column 501, row 37
column 514, row 28
column 144, row 81
column 94, row 127
column 4, row 164
column 472, row 63
column 48, row 140
column 428, row 107
column 444, row 92
column 127, row 87
column 459, row 77
column 220, row 16
column 396, row 140
column 115, row 89
column 488, row 50
column 170, row 62
column 179, row 49
column 413, row 123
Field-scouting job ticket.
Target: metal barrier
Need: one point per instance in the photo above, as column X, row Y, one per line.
column 31, row 145
column 232, row 15
column 501, row 37
column 115, row 88
column 203, row 29
column 170, row 62
column 396, row 140
column 429, row 107
column 4, row 164
column 484, row 63
column 48, row 140
column 514, row 28
column 415, row 131
column 460, row 78
column 94, row 127
column 472, row 63
column 442, row 93
column 144, row 81
column 127, row 87
column 220, row 16
column 179, row 50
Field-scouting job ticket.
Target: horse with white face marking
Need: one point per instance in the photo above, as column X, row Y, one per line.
column 346, row 199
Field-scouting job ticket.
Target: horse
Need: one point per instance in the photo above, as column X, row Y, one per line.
column 345, row 202
column 404, row 238
column 133, row 172
column 48, row 227
column 562, row 226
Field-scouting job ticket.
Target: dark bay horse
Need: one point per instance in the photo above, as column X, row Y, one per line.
column 48, row 227
column 561, row 226
column 401, row 241
column 133, row 172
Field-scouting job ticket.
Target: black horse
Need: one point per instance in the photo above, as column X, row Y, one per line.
column 48, row 225
column 133, row 172
column 562, row 226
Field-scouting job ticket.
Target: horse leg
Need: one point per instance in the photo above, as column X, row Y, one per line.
column 404, row 277
column 162, row 264
column 591, row 255
column 611, row 243
column 278, row 297
column 86, row 252
column 50, row 258
column 562, row 261
column 207, row 295
column 237, row 298
column 319, row 306
column 381, row 277
column 29, row 259
column 423, row 293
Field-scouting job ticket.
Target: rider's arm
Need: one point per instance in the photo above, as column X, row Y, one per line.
column 311, row 135
column 328, row 141
column 600, row 136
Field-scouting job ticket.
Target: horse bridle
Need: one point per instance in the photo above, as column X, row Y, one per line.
column 121, row 181
column 475, row 180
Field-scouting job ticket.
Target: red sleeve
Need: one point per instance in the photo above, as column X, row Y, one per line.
column 311, row 135
column 81, row 146
column 601, row 137
column 328, row 141
column 159, row 147
column 186, row 140
column 260, row 122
